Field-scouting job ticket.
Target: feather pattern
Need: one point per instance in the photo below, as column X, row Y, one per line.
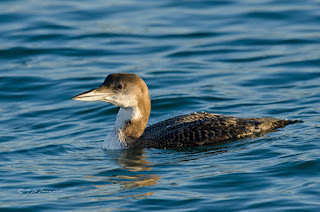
column 203, row 128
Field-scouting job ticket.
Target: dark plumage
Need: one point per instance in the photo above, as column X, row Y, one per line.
column 203, row 128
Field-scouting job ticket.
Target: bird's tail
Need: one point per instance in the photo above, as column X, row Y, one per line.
column 293, row 121
column 274, row 123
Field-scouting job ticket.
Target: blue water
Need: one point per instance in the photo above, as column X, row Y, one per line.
column 242, row 58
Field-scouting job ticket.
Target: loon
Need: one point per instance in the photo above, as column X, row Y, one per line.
column 131, row 94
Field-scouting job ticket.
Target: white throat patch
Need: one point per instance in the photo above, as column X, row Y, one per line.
column 123, row 100
column 116, row 138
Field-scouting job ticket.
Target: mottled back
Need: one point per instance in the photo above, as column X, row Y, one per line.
column 199, row 129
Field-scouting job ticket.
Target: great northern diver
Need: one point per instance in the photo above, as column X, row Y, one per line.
column 131, row 94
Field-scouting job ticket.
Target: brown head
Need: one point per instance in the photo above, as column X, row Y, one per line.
column 130, row 93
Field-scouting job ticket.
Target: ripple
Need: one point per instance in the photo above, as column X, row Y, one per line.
column 239, row 58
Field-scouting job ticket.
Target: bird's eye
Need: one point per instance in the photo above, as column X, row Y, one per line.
column 119, row 86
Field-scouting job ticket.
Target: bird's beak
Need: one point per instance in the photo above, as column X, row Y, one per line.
column 92, row 95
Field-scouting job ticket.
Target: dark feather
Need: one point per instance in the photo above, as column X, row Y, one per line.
column 199, row 129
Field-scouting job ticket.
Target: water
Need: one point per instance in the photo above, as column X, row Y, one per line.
column 242, row 58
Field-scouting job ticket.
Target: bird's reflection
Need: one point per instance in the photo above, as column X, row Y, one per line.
column 134, row 161
column 133, row 169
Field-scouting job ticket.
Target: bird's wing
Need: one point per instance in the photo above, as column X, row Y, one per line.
column 203, row 128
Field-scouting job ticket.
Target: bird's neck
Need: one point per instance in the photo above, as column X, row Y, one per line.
column 130, row 125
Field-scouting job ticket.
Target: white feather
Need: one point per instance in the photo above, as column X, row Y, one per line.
column 122, row 100
column 116, row 139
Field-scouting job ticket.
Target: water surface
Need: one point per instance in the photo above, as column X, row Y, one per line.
column 241, row 58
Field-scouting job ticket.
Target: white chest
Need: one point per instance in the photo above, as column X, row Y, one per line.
column 116, row 139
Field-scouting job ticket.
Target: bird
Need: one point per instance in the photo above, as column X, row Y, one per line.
column 129, row 92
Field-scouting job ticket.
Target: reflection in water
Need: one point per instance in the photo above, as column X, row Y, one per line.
column 126, row 178
column 135, row 170
column 133, row 160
